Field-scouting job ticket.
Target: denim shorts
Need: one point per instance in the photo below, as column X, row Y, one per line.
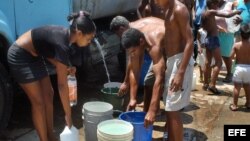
column 212, row 42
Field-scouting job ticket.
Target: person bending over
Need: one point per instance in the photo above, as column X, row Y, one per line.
column 153, row 29
column 135, row 42
column 26, row 58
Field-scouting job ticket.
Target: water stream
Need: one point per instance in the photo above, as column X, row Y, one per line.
column 103, row 58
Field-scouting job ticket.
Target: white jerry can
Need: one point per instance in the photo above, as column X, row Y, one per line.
column 71, row 134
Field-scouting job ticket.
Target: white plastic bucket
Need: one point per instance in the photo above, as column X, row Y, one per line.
column 194, row 81
column 115, row 130
column 93, row 113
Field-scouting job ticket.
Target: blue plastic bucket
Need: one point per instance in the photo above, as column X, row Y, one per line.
column 137, row 119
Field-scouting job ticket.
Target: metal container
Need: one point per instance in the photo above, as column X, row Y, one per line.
column 104, row 8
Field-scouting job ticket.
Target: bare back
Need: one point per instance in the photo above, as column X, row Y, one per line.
column 25, row 41
column 242, row 51
column 178, row 30
column 153, row 29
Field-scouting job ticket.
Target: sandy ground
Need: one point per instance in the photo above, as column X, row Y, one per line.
column 204, row 118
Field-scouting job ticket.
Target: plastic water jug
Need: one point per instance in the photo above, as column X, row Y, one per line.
column 71, row 134
column 194, row 81
column 203, row 35
column 201, row 58
column 72, row 84
column 231, row 27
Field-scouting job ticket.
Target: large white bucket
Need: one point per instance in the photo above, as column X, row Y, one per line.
column 115, row 130
column 93, row 113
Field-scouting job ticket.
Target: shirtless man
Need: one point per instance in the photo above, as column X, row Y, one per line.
column 135, row 42
column 212, row 44
column 149, row 8
column 189, row 4
column 241, row 75
column 178, row 49
column 153, row 30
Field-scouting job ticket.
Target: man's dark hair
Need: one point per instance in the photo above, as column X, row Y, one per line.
column 131, row 38
column 245, row 31
column 117, row 22
column 81, row 21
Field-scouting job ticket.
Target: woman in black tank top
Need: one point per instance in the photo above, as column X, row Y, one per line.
column 27, row 60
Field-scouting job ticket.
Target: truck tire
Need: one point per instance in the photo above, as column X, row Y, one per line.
column 6, row 97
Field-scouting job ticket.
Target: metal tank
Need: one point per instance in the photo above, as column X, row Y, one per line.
column 104, row 8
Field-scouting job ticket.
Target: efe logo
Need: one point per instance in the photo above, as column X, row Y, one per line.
column 241, row 132
column 236, row 132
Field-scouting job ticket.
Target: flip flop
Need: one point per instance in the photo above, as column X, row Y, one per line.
column 228, row 79
column 248, row 107
column 201, row 80
column 214, row 90
column 165, row 136
column 205, row 87
column 233, row 107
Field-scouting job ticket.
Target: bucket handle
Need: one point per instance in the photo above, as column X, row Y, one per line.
column 132, row 111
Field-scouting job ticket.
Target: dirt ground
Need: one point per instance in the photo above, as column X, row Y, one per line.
column 203, row 119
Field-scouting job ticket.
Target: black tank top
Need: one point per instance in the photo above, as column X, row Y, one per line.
column 52, row 42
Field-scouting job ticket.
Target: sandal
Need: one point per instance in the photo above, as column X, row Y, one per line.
column 214, row 90
column 248, row 107
column 165, row 136
column 201, row 80
column 205, row 87
column 228, row 79
column 233, row 107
